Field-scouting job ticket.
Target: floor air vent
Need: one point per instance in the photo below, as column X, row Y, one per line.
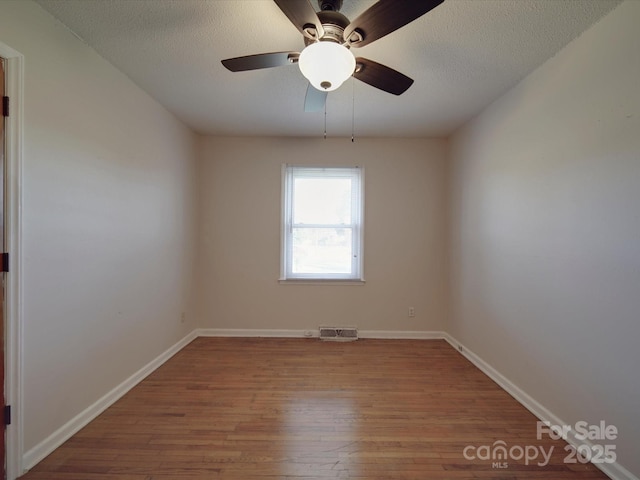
column 338, row 334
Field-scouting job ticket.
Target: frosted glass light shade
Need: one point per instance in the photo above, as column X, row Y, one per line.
column 326, row 65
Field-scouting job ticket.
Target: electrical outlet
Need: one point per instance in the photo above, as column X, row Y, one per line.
column 412, row 312
column 183, row 317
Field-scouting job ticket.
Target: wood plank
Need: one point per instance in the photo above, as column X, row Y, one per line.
column 266, row 409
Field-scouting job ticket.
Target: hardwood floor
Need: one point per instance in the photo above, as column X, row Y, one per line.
column 230, row 408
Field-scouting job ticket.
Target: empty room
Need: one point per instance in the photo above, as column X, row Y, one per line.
column 302, row 239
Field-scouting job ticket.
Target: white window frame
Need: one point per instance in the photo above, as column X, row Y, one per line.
column 289, row 173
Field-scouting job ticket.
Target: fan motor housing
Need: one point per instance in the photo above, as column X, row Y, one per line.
column 334, row 24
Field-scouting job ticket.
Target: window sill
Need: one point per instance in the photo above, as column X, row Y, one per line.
column 319, row 281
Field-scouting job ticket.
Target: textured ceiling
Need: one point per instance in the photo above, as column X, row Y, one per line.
column 462, row 55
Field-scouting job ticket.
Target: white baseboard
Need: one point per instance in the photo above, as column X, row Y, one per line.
column 66, row 431
column 250, row 332
column 402, row 334
column 283, row 333
column 615, row 471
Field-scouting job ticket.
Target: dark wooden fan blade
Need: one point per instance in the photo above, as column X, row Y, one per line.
column 314, row 99
column 381, row 76
column 261, row 60
column 302, row 15
column 385, row 17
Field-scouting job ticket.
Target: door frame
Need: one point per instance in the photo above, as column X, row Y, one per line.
column 14, row 66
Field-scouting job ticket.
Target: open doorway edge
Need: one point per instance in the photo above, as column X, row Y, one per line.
column 14, row 65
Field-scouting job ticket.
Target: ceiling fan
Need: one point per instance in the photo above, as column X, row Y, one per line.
column 327, row 61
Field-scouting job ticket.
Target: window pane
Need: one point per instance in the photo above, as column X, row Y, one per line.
column 322, row 250
column 322, row 201
column 322, row 223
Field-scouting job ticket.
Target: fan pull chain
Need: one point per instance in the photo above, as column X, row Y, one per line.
column 325, row 119
column 353, row 107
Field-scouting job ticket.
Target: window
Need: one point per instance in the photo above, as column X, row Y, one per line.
column 322, row 223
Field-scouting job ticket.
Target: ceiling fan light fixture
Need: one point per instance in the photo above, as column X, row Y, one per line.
column 326, row 65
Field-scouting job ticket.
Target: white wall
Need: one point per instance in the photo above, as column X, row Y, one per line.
column 546, row 237
column 404, row 257
column 108, row 222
